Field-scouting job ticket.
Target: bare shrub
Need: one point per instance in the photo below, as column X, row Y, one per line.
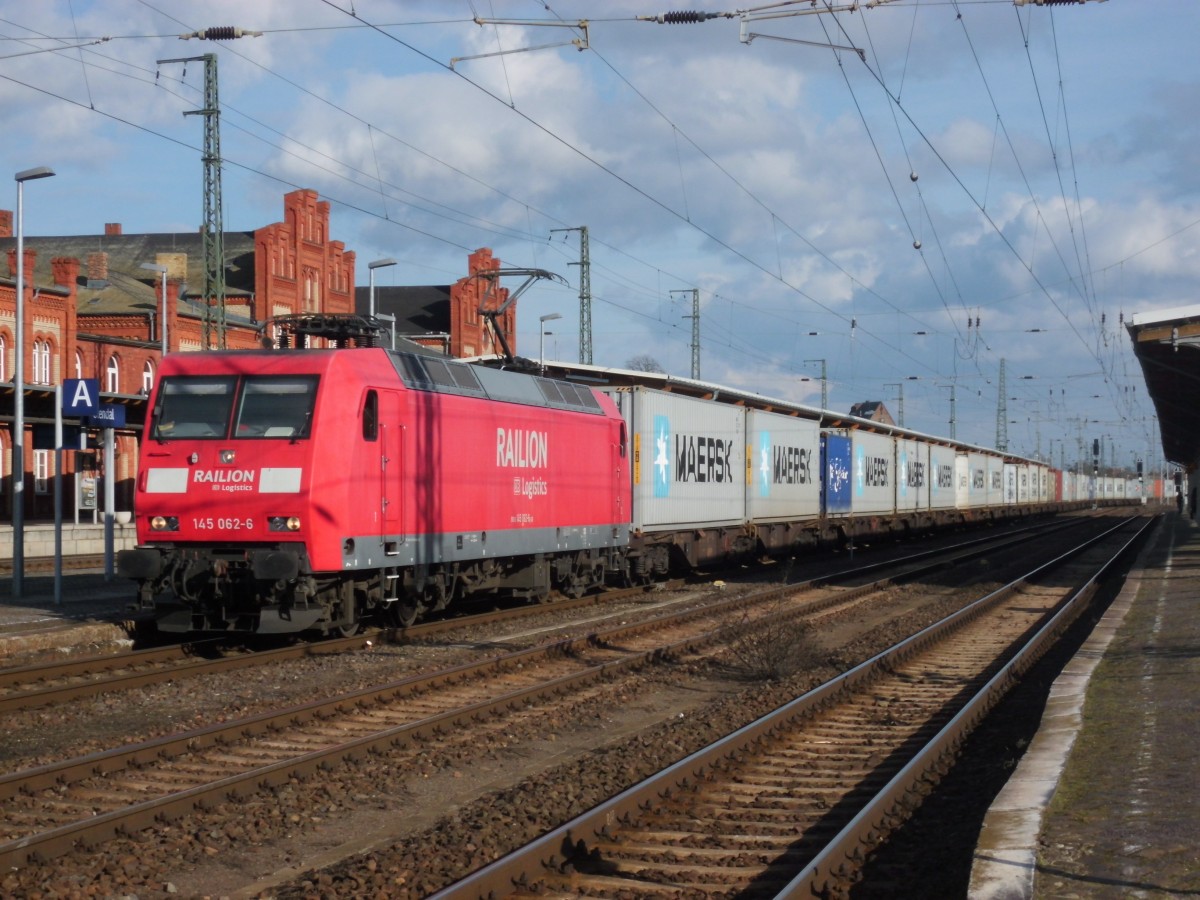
column 773, row 648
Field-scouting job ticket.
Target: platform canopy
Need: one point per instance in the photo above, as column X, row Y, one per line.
column 1167, row 344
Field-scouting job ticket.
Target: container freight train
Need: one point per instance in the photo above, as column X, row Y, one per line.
column 306, row 489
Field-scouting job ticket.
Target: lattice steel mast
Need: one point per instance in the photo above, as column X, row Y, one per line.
column 695, row 317
column 213, row 228
column 585, row 294
column 1002, row 414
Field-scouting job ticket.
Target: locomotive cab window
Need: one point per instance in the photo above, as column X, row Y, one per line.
column 193, row 407
column 279, row 407
column 370, row 417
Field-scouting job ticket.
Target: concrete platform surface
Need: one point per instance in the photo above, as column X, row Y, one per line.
column 93, row 612
column 1106, row 801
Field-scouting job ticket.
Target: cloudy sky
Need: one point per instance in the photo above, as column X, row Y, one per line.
column 903, row 197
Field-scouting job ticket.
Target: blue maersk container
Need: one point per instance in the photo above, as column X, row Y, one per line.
column 836, row 468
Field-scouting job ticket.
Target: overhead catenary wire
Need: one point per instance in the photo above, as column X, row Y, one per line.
column 732, row 301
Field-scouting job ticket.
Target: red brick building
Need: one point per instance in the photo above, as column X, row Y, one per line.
column 92, row 311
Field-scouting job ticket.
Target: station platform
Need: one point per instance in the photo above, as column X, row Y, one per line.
column 83, row 539
column 1105, row 801
column 93, row 612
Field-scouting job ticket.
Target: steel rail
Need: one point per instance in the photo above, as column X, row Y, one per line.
column 12, row 679
column 106, row 825
column 57, row 841
column 524, row 867
column 836, row 865
column 17, row 699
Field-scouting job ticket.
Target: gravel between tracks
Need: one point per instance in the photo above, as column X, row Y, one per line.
column 379, row 828
column 453, row 809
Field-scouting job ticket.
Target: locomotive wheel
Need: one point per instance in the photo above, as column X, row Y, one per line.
column 405, row 612
column 349, row 623
column 578, row 579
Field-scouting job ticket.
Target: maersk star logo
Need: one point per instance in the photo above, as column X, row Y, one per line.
column 764, row 466
column 662, row 456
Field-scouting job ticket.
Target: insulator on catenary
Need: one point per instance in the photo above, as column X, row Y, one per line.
column 682, row 18
column 221, row 33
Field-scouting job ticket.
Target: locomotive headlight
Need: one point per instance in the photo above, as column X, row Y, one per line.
column 228, row 456
column 164, row 523
column 284, row 523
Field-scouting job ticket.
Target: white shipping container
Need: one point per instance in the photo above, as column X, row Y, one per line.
column 962, row 481
column 942, row 463
column 970, row 485
column 689, row 460
column 783, row 467
column 1010, row 484
column 1023, row 490
column 873, row 480
column 912, row 475
column 995, row 481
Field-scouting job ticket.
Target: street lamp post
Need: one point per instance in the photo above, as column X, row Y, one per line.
column 162, row 328
column 371, row 267
column 18, row 456
column 542, row 320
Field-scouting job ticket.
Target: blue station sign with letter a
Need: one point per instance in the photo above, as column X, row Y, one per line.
column 81, row 396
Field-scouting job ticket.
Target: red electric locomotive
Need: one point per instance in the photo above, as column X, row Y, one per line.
column 303, row 489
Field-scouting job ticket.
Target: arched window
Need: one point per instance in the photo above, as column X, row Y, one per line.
column 78, row 364
column 147, row 377
column 41, row 362
column 112, row 381
column 3, row 359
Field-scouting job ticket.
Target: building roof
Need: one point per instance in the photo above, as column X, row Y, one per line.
column 872, row 409
column 1167, row 344
column 128, row 287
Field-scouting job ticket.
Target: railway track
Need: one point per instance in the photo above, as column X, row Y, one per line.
column 792, row 804
column 55, row 808
column 45, row 684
